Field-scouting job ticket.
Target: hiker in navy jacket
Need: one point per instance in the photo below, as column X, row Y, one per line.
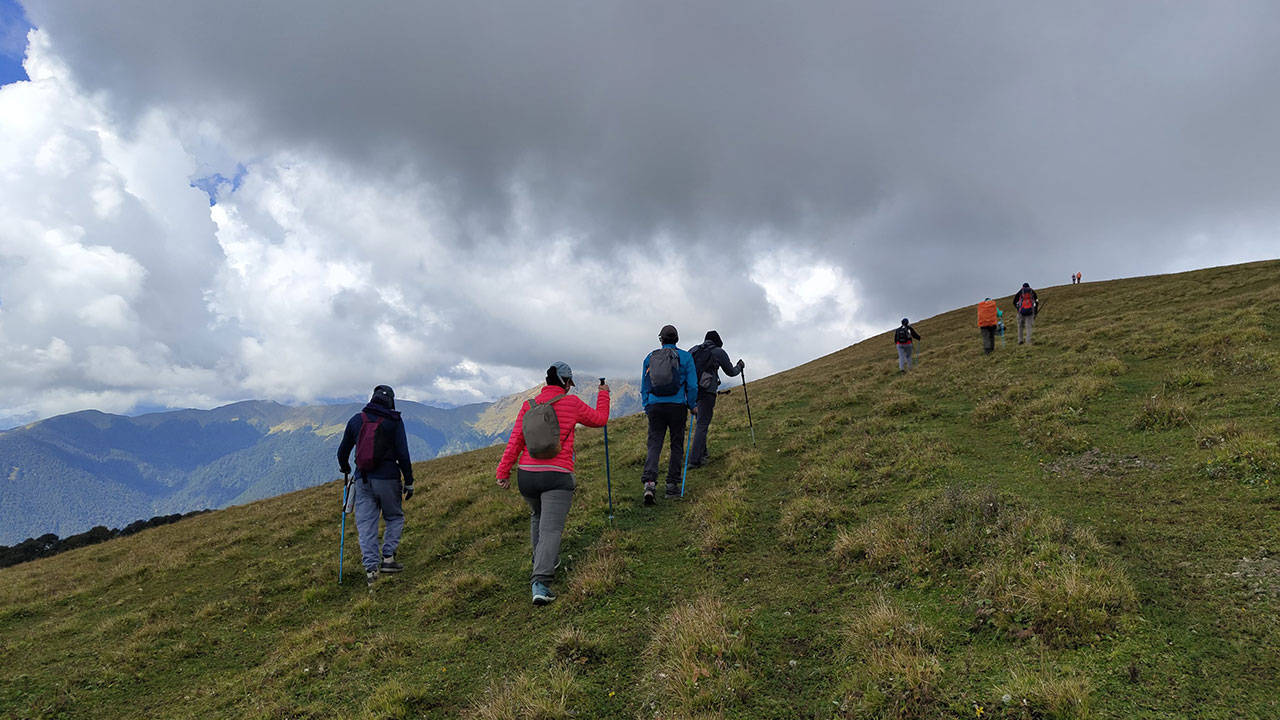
column 668, row 414
column 714, row 360
column 378, row 490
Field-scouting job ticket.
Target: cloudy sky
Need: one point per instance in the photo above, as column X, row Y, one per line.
column 206, row 202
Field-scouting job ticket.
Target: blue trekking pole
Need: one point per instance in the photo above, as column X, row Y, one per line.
column 688, row 441
column 342, row 536
column 607, row 480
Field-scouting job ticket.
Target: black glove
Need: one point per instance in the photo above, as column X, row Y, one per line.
column 408, row 491
column 741, row 364
column 345, row 468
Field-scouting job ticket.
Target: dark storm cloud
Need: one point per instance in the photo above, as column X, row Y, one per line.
column 937, row 151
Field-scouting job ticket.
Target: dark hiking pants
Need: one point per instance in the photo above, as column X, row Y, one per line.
column 664, row 419
column 549, row 495
column 988, row 338
column 706, row 409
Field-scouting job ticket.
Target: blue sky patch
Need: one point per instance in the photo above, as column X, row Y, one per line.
column 13, row 41
column 213, row 184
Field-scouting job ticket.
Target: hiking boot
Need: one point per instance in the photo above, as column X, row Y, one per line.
column 542, row 594
column 371, row 577
column 389, row 565
column 649, row 489
column 673, row 492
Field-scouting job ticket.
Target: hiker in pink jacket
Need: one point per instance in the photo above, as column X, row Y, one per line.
column 547, row 484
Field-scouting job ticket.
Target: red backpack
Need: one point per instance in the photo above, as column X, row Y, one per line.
column 1027, row 303
column 371, row 446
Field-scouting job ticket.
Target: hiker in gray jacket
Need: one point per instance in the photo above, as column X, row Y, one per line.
column 709, row 359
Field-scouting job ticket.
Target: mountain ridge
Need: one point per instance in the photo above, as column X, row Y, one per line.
column 74, row 471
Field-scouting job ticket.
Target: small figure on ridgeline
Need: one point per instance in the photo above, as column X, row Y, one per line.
column 668, row 393
column 382, row 456
column 988, row 320
column 1079, row 278
column 542, row 444
column 709, row 359
column 1027, row 304
column 902, row 338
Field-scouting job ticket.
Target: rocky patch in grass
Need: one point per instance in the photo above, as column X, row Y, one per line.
column 1095, row 463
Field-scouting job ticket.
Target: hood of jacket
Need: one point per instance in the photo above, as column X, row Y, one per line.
column 376, row 409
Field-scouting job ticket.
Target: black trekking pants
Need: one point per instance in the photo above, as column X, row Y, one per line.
column 988, row 338
column 664, row 419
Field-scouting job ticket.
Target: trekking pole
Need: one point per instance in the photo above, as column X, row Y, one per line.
column 608, row 481
column 688, row 443
column 747, row 398
column 342, row 535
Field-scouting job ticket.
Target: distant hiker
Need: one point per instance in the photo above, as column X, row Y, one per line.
column 1027, row 304
column 1000, row 326
column 988, row 319
column 542, row 443
column 902, row 339
column 382, row 456
column 709, row 359
column 668, row 392
column 1079, row 278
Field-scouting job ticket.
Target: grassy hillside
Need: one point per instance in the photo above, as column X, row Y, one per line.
column 1082, row 528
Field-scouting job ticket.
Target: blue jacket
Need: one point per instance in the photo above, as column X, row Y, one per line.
column 395, row 462
column 688, row 392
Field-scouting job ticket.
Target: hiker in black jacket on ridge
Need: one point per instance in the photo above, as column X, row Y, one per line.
column 378, row 487
column 709, row 359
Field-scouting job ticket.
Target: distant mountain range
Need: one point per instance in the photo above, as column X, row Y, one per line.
column 68, row 473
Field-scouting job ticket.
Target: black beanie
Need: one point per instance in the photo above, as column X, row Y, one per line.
column 668, row 335
column 713, row 337
column 383, row 395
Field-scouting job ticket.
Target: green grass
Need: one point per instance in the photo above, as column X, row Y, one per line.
column 1083, row 528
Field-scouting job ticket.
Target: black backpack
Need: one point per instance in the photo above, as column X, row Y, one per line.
column 664, row 372
column 902, row 335
column 704, row 363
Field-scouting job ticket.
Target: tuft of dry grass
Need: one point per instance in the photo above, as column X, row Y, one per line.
column 1248, row 457
column 1031, row 571
column 721, row 518
column 604, row 568
column 1162, row 412
column 697, row 659
column 527, row 697
column 1034, row 696
column 572, row 646
column 894, row 403
column 808, row 521
column 893, row 672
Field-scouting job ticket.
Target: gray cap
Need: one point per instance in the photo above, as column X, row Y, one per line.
column 563, row 370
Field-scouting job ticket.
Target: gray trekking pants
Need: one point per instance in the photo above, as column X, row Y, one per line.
column 906, row 360
column 706, row 410
column 549, row 495
column 1025, row 322
column 378, row 499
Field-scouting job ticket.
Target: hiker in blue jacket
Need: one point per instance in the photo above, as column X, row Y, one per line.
column 709, row 359
column 668, row 393
column 377, row 487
